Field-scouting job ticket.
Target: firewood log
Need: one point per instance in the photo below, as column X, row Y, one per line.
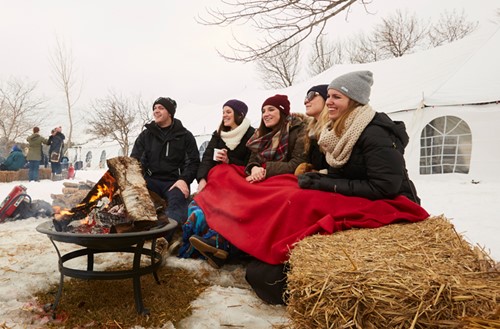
column 128, row 175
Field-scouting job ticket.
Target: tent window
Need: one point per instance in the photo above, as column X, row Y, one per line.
column 202, row 149
column 445, row 146
column 88, row 159
column 102, row 160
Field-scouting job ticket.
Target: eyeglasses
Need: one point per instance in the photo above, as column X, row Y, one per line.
column 310, row 96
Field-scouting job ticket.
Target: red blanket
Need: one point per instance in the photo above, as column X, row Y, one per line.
column 266, row 219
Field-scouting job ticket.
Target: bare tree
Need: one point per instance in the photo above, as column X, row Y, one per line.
column 20, row 109
column 325, row 54
column 399, row 34
column 115, row 119
column 279, row 21
column 279, row 68
column 450, row 27
column 362, row 49
column 62, row 61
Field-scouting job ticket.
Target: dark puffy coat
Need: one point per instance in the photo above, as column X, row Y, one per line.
column 316, row 157
column 239, row 156
column 169, row 153
column 295, row 155
column 56, row 143
column 376, row 168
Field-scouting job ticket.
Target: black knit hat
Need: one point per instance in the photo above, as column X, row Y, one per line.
column 167, row 103
column 320, row 89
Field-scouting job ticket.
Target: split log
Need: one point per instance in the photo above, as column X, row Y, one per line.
column 128, row 175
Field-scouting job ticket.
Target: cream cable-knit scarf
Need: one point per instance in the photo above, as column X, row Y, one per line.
column 338, row 149
column 233, row 138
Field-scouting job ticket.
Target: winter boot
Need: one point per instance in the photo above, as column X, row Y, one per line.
column 214, row 248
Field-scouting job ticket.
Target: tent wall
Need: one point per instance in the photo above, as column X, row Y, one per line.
column 483, row 122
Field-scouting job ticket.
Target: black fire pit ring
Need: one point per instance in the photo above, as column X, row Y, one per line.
column 130, row 242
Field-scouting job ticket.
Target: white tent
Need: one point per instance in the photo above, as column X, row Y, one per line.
column 448, row 97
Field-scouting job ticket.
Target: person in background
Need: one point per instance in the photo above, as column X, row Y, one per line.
column 231, row 137
column 277, row 147
column 15, row 161
column 35, row 153
column 56, row 148
column 364, row 149
column 170, row 159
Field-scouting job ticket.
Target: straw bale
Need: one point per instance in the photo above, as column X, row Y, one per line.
column 420, row 275
column 22, row 174
column 7, row 176
column 44, row 173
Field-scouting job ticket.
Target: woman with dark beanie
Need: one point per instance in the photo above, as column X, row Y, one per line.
column 229, row 140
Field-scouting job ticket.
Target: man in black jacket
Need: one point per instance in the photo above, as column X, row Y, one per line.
column 170, row 158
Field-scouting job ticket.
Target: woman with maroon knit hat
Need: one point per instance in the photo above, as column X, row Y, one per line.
column 277, row 147
column 278, row 144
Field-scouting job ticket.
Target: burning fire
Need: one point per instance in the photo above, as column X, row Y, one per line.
column 93, row 206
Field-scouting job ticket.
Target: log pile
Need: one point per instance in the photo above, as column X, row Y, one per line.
column 72, row 194
column 420, row 275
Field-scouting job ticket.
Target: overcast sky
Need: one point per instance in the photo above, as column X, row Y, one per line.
column 155, row 47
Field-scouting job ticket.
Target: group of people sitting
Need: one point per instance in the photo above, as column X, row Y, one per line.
column 260, row 191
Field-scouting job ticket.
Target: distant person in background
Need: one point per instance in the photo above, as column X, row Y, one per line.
column 35, row 154
column 56, row 146
column 15, row 161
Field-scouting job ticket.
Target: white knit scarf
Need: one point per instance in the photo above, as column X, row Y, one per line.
column 233, row 137
column 338, row 149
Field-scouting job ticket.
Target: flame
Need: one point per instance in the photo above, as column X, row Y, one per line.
column 105, row 187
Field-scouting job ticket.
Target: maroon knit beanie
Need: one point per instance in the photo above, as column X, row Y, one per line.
column 281, row 102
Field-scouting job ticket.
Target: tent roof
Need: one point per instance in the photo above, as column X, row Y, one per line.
column 463, row 72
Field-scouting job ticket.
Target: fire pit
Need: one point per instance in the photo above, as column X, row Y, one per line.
column 132, row 242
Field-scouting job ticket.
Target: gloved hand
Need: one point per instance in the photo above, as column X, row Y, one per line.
column 316, row 181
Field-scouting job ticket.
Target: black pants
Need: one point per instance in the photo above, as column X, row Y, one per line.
column 268, row 281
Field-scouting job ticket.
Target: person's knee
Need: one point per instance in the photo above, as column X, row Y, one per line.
column 268, row 281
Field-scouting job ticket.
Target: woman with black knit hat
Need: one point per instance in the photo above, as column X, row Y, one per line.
column 364, row 148
column 277, row 147
column 229, row 140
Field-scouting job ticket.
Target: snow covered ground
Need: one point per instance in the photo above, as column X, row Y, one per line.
column 28, row 262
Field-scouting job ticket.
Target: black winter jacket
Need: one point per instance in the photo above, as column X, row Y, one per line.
column 167, row 153
column 376, row 168
column 239, row 156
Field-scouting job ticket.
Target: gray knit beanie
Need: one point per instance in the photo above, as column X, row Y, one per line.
column 355, row 85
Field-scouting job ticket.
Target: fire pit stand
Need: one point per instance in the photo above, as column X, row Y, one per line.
column 106, row 243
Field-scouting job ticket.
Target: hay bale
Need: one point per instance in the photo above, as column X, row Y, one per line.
column 22, row 174
column 417, row 275
column 7, row 176
column 44, row 173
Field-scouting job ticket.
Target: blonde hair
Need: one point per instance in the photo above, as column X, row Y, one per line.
column 338, row 125
column 315, row 126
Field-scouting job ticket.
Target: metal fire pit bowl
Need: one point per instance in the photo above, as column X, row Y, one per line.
column 132, row 242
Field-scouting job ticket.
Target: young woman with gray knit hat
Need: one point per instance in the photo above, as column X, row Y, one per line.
column 364, row 148
column 229, row 139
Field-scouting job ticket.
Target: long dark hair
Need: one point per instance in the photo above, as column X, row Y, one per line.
column 263, row 130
